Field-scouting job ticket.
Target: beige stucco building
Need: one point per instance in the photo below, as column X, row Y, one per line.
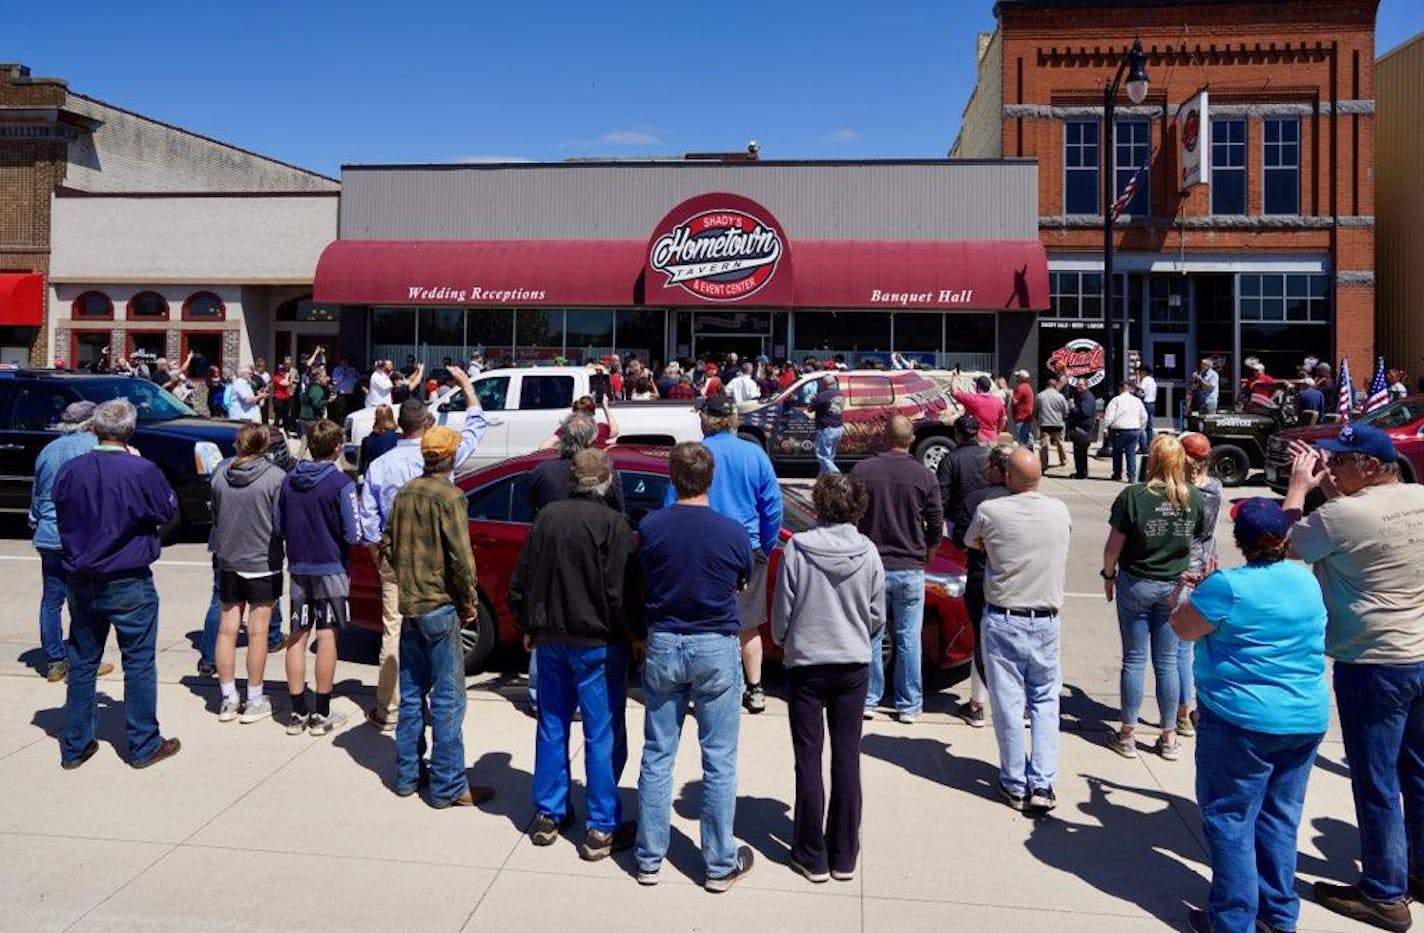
column 1399, row 166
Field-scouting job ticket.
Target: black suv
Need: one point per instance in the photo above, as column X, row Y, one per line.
column 186, row 446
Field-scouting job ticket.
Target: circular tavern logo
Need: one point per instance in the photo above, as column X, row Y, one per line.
column 1191, row 130
column 1078, row 358
column 719, row 255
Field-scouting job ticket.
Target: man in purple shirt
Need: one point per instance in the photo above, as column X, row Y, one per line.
column 109, row 506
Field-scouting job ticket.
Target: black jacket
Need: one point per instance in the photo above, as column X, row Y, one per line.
column 552, row 481
column 1084, row 411
column 960, row 473
column 572, row 572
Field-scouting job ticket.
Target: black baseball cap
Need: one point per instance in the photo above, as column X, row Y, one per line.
column 719, row 405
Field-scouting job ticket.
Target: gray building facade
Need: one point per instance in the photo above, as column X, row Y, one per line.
column 526, row 263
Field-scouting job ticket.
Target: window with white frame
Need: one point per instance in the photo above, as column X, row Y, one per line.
column 1080, row 167
column 1294, row 298
column 1132, row 142
column 1228, row 166
column 1280, row 166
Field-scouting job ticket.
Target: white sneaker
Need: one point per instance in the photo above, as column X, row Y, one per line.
column 297, row 724
column 229, row 710
column 256, row 711
column 325, row 725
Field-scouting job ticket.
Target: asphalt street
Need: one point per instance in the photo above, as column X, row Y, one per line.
column 249, row 829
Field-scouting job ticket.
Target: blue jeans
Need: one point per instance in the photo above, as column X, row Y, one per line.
column 1382, row 722
column 207, row 643
column 1186, row 679
column 706, row 670
column 1023, row 661
column 905, row 619
column 1124, row 448
column 130, row 606
column 53, row 579
column 595, row 680
column 1023, row 432
column 1143, row 607
column 828, row 441
column 534, row 680
column 432, row 664
column 1251, row 790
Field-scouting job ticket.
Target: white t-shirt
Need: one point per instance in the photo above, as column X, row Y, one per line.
column 380, row 390
column 1125, row 413
column 242, row 401
column 744, row 389
column 1148, row 385
column 1025, row 538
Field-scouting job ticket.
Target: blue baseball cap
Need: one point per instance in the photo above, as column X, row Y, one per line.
column 1258, row 517
column 1362, row 439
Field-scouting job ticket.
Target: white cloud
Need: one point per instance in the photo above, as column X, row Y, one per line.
column 490, row 159
column 628, row 138
column 843, row 135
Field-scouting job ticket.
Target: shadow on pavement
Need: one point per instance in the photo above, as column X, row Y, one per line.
column 1133, row 850
column 932, row 760
column 109, row 724
column 761, row 822
column 1339, row 845
column 1080, row 712
column 34, row 659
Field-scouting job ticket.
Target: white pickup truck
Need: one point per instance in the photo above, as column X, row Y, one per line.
column 524, row 406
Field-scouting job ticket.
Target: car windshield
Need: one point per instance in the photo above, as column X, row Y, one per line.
column 1394, row 416
column 798, row 513
column 154, row 403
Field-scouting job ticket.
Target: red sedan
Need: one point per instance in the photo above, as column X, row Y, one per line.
column 500, row 516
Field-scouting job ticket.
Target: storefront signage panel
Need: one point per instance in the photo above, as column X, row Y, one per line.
column 718, row 249
column 1194, row 142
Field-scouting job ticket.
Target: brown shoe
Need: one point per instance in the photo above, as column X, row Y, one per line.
column 1347, row 901
column 105, row 669
column 375, row 718
column 167, row 748
column 476, row 795
column 84, row 756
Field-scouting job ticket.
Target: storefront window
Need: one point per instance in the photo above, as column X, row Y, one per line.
column 919, row 331
column 204, row 306
column 89, row 350
column 640, row 333
column 588, row 333
column 147, row 346
column 442, row 334
column 149, row 306
column 1284, row 319
column 490, row 330
column 392, row 333
column 93, row 306
column 851, row 334
column 538, row 334
column 969, row 342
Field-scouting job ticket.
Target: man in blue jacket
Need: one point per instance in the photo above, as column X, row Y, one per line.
column 744, row 489
column 77, row 441
column 109, row 506
column 318, row 515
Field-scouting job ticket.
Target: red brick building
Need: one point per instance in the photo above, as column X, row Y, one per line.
column 1272, row 255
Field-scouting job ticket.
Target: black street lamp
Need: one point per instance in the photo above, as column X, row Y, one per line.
column 1135, row 67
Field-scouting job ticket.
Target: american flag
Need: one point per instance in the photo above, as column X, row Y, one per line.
column 1379, row 389
column 1123, row 199
column 1343, row 406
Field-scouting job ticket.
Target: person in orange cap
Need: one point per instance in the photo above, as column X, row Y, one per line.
column 1200, row 564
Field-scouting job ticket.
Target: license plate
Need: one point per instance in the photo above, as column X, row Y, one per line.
column 1270, row 474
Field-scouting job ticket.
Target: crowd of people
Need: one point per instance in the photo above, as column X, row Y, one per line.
column 1238, row 655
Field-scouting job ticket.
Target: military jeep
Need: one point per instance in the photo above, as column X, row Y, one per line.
column 1238, row 437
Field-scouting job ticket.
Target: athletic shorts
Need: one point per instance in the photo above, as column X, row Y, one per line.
column 752, row 600
column 319, row 601
column 1052, row 432
column 235, row 588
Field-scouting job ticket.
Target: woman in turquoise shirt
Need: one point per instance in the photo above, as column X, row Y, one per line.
column 1264, row 707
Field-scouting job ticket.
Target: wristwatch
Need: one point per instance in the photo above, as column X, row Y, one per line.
column 1107, row 576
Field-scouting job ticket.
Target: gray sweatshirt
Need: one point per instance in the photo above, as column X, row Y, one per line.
column 830, row 597
column 244, row 503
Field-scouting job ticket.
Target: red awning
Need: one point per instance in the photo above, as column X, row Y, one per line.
column 559, row 273
column 21, row 299
column 1009, row 275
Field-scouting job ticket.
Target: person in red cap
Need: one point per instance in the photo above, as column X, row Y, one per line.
column 1200, row 563
column 1364, row 544
column 1258, row 633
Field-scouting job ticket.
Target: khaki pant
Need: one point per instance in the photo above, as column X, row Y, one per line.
column 388, row 663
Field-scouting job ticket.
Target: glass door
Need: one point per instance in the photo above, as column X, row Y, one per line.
column 1166, row 340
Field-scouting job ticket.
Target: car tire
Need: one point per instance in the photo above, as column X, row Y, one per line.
column 1230, row 464
column 753, row 437
column 477, row 640
column 932, row 450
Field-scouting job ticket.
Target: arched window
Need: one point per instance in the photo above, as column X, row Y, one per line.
column 204, row 306
column 92, row 306
column 148, row 306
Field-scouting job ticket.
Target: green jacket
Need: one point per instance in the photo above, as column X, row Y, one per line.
column 314, row 402
column 427, row 543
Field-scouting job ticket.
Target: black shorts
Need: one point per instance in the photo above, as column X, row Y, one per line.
column 319, row 601
column 1052, row 432
column 235, row 588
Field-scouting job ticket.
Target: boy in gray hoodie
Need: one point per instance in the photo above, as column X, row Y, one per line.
column 829, row 604
column 249, row 554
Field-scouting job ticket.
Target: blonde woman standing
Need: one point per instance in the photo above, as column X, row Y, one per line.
column 1201, row 564
column 1153, row 525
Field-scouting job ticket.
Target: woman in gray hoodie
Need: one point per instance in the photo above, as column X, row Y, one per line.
column 830, row 602
column 249, row 556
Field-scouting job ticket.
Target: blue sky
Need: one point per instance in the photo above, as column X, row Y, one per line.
column 321, row 83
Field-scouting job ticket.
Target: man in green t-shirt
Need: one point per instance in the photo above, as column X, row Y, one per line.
column 314, row 397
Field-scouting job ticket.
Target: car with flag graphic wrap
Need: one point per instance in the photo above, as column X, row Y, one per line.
column 786, row 429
